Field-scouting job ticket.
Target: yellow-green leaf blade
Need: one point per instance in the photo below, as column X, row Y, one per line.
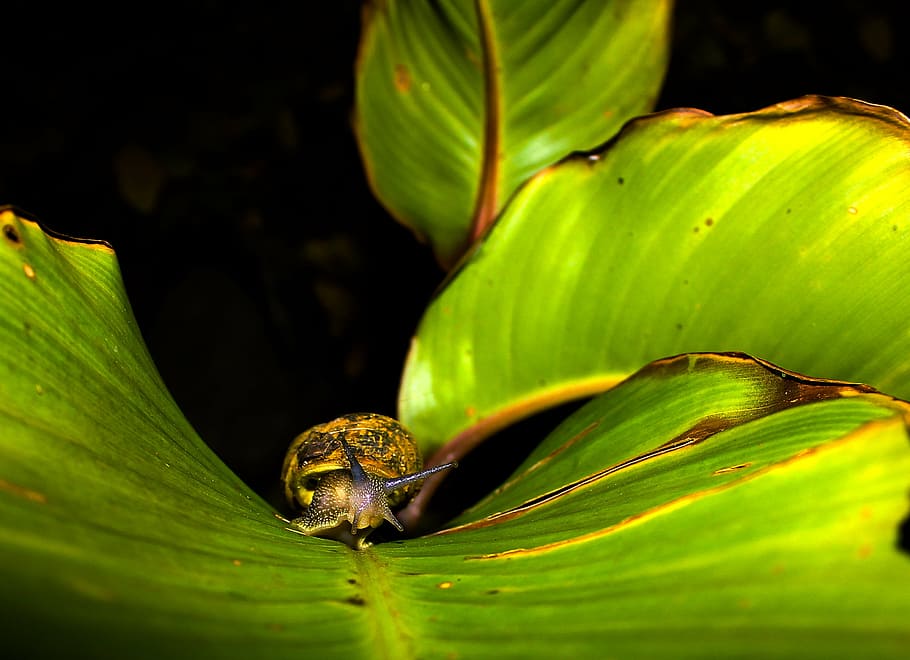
column 120, row 531
column 709, row 505
column 123, row 536
column 780, row 233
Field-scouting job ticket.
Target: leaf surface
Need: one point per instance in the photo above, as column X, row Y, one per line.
column 458, row 103
column 781, row 233
column 708, row 501
column 709, row 505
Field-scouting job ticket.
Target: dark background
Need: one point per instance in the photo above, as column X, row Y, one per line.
column 211, row 146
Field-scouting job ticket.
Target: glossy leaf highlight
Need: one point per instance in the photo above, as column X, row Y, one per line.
column 782, row 233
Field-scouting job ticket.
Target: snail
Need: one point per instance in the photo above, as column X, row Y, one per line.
column 348, row 474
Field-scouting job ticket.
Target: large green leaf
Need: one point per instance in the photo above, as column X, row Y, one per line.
column 708, row 503
column 460, row 102
column 710, row 506
column 782, row 233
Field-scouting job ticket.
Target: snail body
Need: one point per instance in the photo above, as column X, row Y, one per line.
column 346, row 475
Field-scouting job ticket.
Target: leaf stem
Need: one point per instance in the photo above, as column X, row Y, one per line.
column 487, row 189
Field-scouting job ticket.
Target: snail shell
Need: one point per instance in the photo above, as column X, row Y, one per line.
column 346, row 475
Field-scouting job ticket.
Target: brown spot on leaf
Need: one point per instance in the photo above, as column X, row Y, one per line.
column 402, row 78
column 9, row 231
column 709, row 222
column 11, row 234
column 23, row 492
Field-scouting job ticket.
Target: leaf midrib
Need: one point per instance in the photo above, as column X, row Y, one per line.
column 488, row 189
column 391, row 639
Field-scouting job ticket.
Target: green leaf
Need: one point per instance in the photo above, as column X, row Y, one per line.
column 782, row 233
column 121, row 533
column 706, row 503
column 708, row 506
column 459, row 103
